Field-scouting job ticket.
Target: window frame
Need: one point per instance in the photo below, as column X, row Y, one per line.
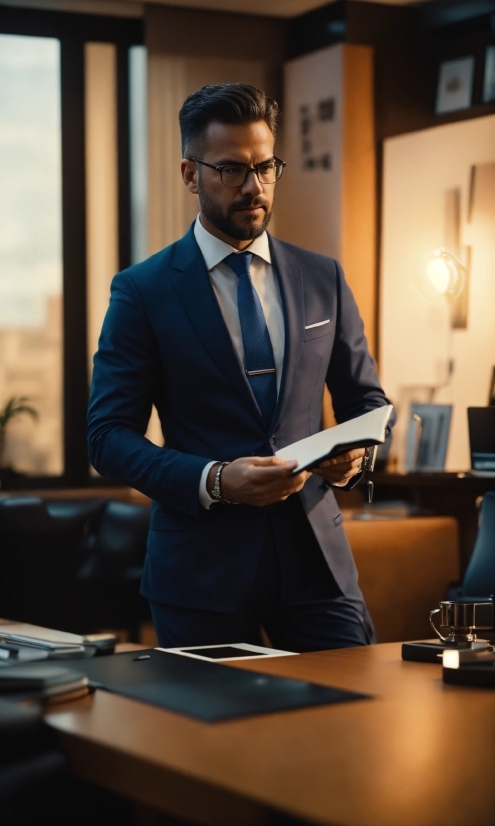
column 73, row 30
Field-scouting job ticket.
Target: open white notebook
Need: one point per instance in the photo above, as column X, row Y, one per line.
column 364, row 431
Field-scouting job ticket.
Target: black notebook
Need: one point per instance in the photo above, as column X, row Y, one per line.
column 206, row 691
column 40, row 680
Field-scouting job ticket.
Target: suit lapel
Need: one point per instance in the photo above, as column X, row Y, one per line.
column 290, row 279
column 198, row 299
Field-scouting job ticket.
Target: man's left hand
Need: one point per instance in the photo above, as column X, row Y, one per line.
column 340, row 469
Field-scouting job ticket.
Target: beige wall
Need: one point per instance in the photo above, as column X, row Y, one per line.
column 416, row 339
column 332, row 210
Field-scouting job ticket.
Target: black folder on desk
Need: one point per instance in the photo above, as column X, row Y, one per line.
column 206, row 691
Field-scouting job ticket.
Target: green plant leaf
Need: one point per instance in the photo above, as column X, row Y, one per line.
column 15, row 406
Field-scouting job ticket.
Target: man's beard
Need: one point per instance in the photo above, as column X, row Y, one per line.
column 226, row 223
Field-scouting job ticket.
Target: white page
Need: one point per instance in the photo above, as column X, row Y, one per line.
column 368, row 429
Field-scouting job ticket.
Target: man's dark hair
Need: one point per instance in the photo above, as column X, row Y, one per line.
column 233, row 103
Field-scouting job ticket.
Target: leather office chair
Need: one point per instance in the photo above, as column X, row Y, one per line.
column 111, row 575
column 32, row 768
column 40, row 553
column 36, row 785
column 479, row 579
column 75, row 566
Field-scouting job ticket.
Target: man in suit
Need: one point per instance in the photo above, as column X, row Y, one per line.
column 232, row 335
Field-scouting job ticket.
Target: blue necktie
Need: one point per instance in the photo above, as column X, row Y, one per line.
column 258, row 353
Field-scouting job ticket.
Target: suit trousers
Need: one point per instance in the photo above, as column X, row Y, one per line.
column 294, row 597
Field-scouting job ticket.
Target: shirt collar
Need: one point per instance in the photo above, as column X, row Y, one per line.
column 214, row 250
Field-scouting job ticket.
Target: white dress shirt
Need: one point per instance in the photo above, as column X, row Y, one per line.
column 224, row 282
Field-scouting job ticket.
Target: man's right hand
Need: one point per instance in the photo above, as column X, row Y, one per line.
column 258, row 480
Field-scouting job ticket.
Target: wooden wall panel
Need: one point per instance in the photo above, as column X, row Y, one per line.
column 358, row 239
column 101, row 183
column 170, row 80
column 188, row 49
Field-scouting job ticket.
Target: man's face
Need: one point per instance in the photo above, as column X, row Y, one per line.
column 240, row 213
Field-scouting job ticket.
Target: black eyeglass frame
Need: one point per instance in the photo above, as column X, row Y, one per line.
column 278, row 163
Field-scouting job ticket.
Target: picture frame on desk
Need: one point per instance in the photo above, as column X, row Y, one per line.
column 455, row 85
column 428, row 437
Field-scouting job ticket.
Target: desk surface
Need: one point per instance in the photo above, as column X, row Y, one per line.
column 419, row 754
column 440, row 478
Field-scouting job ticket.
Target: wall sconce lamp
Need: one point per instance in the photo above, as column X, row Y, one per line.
column 441, row 277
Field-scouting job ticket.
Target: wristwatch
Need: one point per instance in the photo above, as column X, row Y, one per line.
column 217, row 487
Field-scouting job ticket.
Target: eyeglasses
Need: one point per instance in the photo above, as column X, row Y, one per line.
column 236, row 174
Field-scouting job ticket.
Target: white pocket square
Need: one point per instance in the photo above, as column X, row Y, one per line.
column 318, row 324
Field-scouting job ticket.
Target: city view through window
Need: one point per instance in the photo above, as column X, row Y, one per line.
column 31, row 251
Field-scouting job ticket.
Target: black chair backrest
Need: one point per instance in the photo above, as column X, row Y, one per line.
column 41, row 550
column 479, row 579
column 122, row 536
column 24, row 514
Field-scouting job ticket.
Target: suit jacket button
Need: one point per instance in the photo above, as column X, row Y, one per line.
column 272, row 440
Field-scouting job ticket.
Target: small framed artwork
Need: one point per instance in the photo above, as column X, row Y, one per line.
column 428, row 436
column 455, row 85
column 491, row 394
column 489, row 76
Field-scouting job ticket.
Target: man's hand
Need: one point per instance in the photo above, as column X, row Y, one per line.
column 258, row 480
column 340, row 469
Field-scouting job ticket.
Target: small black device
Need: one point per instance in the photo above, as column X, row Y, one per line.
column 478, row 674
column 431, row 651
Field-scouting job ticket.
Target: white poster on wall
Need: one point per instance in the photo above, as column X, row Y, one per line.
column 310, row 191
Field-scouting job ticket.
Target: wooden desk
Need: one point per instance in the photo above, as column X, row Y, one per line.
column 419, row 754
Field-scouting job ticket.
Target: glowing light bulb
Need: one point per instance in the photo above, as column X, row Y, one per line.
column 440, row 278
column 438, row 272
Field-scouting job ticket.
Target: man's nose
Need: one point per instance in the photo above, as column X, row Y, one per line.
column 252, row 185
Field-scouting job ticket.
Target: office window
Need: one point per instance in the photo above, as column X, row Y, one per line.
column 65, row 223
column 31, row 249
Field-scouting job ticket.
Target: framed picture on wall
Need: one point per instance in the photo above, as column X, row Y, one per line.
column 489, row 76
column 455, row 85
column 428, row 436
column 491, row 394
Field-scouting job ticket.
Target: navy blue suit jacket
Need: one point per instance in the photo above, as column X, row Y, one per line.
column 164, row 342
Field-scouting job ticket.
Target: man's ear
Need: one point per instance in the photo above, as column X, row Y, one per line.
column 189, row 173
